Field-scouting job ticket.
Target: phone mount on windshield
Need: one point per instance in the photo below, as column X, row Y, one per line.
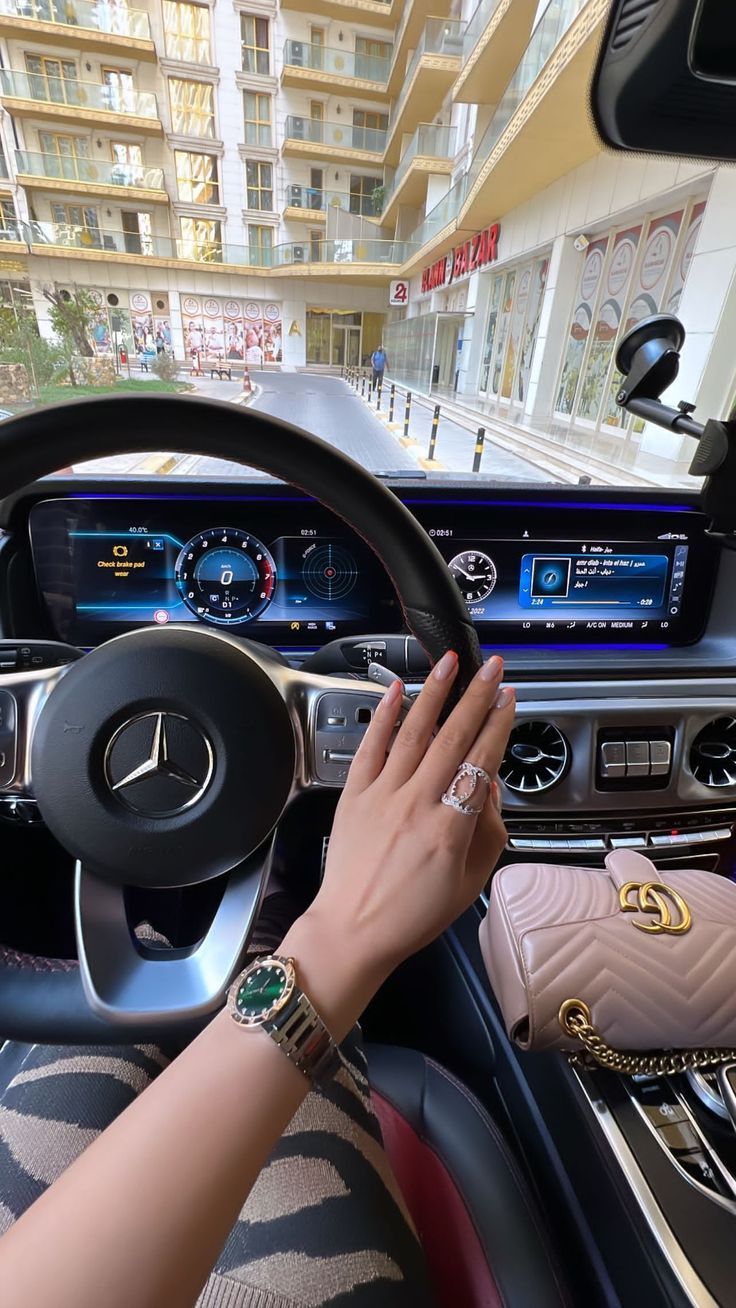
column 649, row 359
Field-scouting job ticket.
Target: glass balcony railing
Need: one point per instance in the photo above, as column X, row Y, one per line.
column 334, row 251
column 72, row 168
column 552, row 26
column 439, row 36
column 3, row 165
column 80, row 95
column 347, row 135
column 428, row 140
column 477, row 24
column 12, row 230
column 443, row 213
column 112, row 18
column 319, row 200
column 337, row 63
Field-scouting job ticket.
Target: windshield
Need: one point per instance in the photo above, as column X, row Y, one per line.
column 389, row 222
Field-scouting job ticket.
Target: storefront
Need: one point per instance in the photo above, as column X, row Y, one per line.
column 339, row 338
column 516, row 296
column 144, row 322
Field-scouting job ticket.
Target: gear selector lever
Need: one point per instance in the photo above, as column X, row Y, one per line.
column 727, row 1087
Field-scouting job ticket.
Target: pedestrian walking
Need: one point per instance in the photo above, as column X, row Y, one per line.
column 379, row 363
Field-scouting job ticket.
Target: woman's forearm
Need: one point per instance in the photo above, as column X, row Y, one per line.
column 141, row 1217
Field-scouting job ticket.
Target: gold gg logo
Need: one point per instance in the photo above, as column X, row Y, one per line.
column 652, row 897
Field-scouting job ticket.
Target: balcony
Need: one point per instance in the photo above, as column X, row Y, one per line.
column 495, row 39
column 309, row 204
column 431, row 72
column 103, row 28
column 36, row 95
column 367, row 262
column 319, row 68
column 372, row 13
column 13, row 237
column 541, row 128
column 312, row 138
column 69, row 173
column 431, row 150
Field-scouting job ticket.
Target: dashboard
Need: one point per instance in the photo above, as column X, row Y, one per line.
column 276, row 566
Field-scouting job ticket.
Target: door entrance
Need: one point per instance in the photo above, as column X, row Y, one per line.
column 345, row 346
column 446, row 355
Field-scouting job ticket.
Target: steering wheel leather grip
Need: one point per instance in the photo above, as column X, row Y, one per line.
column 35, row 444
column 58, row 1000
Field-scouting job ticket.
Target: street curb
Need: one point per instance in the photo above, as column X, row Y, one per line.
column 243, row 400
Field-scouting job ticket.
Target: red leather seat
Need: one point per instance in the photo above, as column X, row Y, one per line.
column 482, row 1232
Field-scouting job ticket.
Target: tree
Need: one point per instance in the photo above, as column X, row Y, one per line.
column 20, row 342
column 71, row 316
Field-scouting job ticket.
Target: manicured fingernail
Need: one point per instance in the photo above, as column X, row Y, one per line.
column 504, row 698
column 492, row 668
column 446, row 666
column 394, row 693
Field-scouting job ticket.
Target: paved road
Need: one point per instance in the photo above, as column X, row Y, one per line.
column 330, row 409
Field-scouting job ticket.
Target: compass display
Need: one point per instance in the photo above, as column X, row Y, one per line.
column 225, row 575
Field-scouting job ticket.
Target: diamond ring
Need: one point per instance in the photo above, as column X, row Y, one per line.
column 462, row 791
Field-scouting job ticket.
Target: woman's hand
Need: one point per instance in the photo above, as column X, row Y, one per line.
column 402, row 865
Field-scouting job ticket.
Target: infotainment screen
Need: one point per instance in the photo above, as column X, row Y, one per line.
column 281, row 568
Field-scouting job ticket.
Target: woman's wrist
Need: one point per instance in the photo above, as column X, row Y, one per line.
column 336, row 976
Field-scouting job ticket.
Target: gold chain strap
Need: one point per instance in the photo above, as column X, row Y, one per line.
column 575, row 1019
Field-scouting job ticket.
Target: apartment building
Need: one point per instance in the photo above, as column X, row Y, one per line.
column 290, row 182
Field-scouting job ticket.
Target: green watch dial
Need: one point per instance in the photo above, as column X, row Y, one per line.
column 261, row 989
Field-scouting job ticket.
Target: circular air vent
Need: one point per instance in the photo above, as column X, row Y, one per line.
column 713, row 753
column 536, row 758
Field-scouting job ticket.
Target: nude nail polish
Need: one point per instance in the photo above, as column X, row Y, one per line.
column 445, row 666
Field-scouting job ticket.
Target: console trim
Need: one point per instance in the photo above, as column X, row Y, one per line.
column 682, row 1269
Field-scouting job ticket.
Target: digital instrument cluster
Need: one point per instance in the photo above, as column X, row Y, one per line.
column 282, row 569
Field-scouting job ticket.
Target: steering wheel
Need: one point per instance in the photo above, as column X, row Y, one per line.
column 167, row 757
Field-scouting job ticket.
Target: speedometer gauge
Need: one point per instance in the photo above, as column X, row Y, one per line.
column 226, row 576
column 475, row 574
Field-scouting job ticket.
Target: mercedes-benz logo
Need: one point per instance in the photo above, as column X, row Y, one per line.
column 159, row 764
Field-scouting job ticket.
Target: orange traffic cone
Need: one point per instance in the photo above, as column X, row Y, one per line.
column 247, row 383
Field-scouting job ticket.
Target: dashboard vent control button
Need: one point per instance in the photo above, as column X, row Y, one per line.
column 536, row 758
column 660, row 754
column 628, row 842
column 713, row 753
column 637, row 758
column 613, row 759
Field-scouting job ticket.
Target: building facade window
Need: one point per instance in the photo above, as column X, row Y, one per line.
column 127, row 161
column 361, row 194
column 257, row 118
column 64, row 156
column 255, row 41
column 119, row 91
column 52, row 79
column 201, row 239
column 187, row 32
column 196, row 177
column 259, row 184
column 192, row 107
column 137, row 232
column 260, row 245
column 372, row 58
column 8, row 220
column 81, row 219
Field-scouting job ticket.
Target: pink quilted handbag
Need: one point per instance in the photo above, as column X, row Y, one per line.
column 615, row 962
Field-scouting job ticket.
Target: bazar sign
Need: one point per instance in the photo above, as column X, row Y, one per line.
column 480, row 250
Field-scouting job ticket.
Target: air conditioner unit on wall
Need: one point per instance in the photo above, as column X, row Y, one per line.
column 295, row 197
column 296, row 54
column 298, row 128
column 300, row 254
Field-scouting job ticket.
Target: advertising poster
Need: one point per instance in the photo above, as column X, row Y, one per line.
column 529, row 338
column 647, row 293
column 608, row 321
column 507, row 305
column 686, row 257
column 590, row 280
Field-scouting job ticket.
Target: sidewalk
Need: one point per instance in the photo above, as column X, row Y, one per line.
column 455, row 447
column 511, row 450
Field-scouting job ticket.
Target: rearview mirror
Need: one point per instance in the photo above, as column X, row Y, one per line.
column 665, row 82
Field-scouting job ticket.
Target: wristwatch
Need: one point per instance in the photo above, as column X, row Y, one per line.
column 267, row 995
